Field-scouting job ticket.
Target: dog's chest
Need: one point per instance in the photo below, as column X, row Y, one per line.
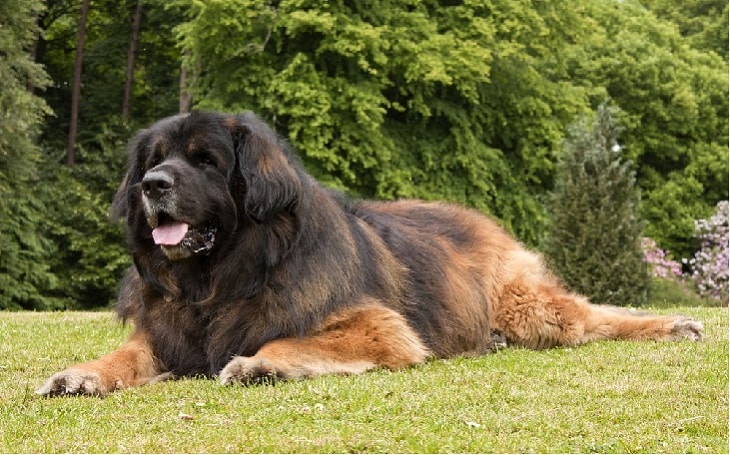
column 188, row 340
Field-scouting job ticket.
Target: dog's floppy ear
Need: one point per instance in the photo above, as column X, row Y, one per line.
column 272, row 180
column 135, row 171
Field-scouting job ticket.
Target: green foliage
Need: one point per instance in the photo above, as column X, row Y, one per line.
column 156, row 76
column 672, row 292
column 704, row 22
column 469, row 102
column 402, row 99
column 463, row 101
column 594, row 234
column 674, row 100
column 91, row 257
column 24, row 251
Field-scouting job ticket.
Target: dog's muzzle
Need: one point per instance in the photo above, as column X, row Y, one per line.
column 178, row 239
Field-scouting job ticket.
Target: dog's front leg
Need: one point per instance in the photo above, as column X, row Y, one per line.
column 131, row 365
column 349, row 342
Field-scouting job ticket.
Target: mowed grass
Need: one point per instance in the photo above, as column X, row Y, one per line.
column 603, row 397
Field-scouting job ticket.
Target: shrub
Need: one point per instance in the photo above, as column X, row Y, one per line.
column 660, row 264
column 672, row 293
column 670, row 286
column 91, row 254
column 24, row 249
column 594, row 236
column 710, row 263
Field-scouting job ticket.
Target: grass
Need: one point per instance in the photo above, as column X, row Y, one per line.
column 602, row 397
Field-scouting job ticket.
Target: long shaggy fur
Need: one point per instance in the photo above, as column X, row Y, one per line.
column 278, row 277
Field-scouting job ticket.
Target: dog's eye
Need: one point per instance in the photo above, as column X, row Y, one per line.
column 205, row 159
column 154, row 160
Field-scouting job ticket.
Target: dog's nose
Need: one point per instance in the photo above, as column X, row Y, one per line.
column 156, row 183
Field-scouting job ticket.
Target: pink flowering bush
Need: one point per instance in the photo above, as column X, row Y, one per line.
column 710, row 263
column 708, row 269
column 660, row 265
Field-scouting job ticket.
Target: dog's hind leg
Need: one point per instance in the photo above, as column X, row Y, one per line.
column 544, row 315
column 350, row 341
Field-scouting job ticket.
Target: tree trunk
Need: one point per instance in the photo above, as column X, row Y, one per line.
column 76, row 93
column 129, row 78
column 35, row 47
column 186, row 98
column 33, row 55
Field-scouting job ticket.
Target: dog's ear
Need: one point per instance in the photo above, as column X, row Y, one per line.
column 135, row 171
column 273, row 181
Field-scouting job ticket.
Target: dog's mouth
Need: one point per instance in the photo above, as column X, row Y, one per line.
column 179, row 239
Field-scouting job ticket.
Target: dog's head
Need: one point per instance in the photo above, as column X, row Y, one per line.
column 196, row 179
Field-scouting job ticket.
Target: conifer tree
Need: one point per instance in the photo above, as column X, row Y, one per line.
column 24, row 252
column 594, row 233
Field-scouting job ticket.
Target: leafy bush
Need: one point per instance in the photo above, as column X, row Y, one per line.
column 593, row 240
column 673, row 293
column 670, row 286
column 91, row 254
column 674, row 104
column 710, row 263
column 24, row 251
column 409, row 99
column 706, row 273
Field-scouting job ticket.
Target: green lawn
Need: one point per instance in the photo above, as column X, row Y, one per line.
column 603, row 397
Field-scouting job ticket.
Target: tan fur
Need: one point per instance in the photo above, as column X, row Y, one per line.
column 350, row 341
column 536, row 312
column 131, row 365
column 274, row 162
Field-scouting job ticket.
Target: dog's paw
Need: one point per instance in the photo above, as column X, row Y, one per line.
column 73, row 382
column 499, row 340
column 685, row 328
column 249, row 370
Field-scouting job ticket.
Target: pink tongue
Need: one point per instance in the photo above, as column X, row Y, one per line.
column 169, row 234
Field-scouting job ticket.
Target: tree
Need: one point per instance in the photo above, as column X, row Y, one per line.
column 594, row 234
column 674, row 104
column 89, row 252
column 76, row 92
column 109, row 25
column 24, row 251
column 704, row 22
column 131, row 54
column 469, row 102
column 463, row 101
column 186, row 98
column 407, row 99
column 92, row 255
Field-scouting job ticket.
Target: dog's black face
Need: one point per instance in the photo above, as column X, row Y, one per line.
column 195, row 181
column 186, row 165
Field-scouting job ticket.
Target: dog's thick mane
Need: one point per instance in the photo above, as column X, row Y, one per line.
column 267, row 222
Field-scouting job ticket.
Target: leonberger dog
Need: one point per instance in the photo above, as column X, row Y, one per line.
column 248, row 270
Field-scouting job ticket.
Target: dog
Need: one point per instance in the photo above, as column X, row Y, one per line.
column 248, row 270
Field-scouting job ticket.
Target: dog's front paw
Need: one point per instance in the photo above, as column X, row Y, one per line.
column 74, row 382
column 685, row 328
column 248, row 370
